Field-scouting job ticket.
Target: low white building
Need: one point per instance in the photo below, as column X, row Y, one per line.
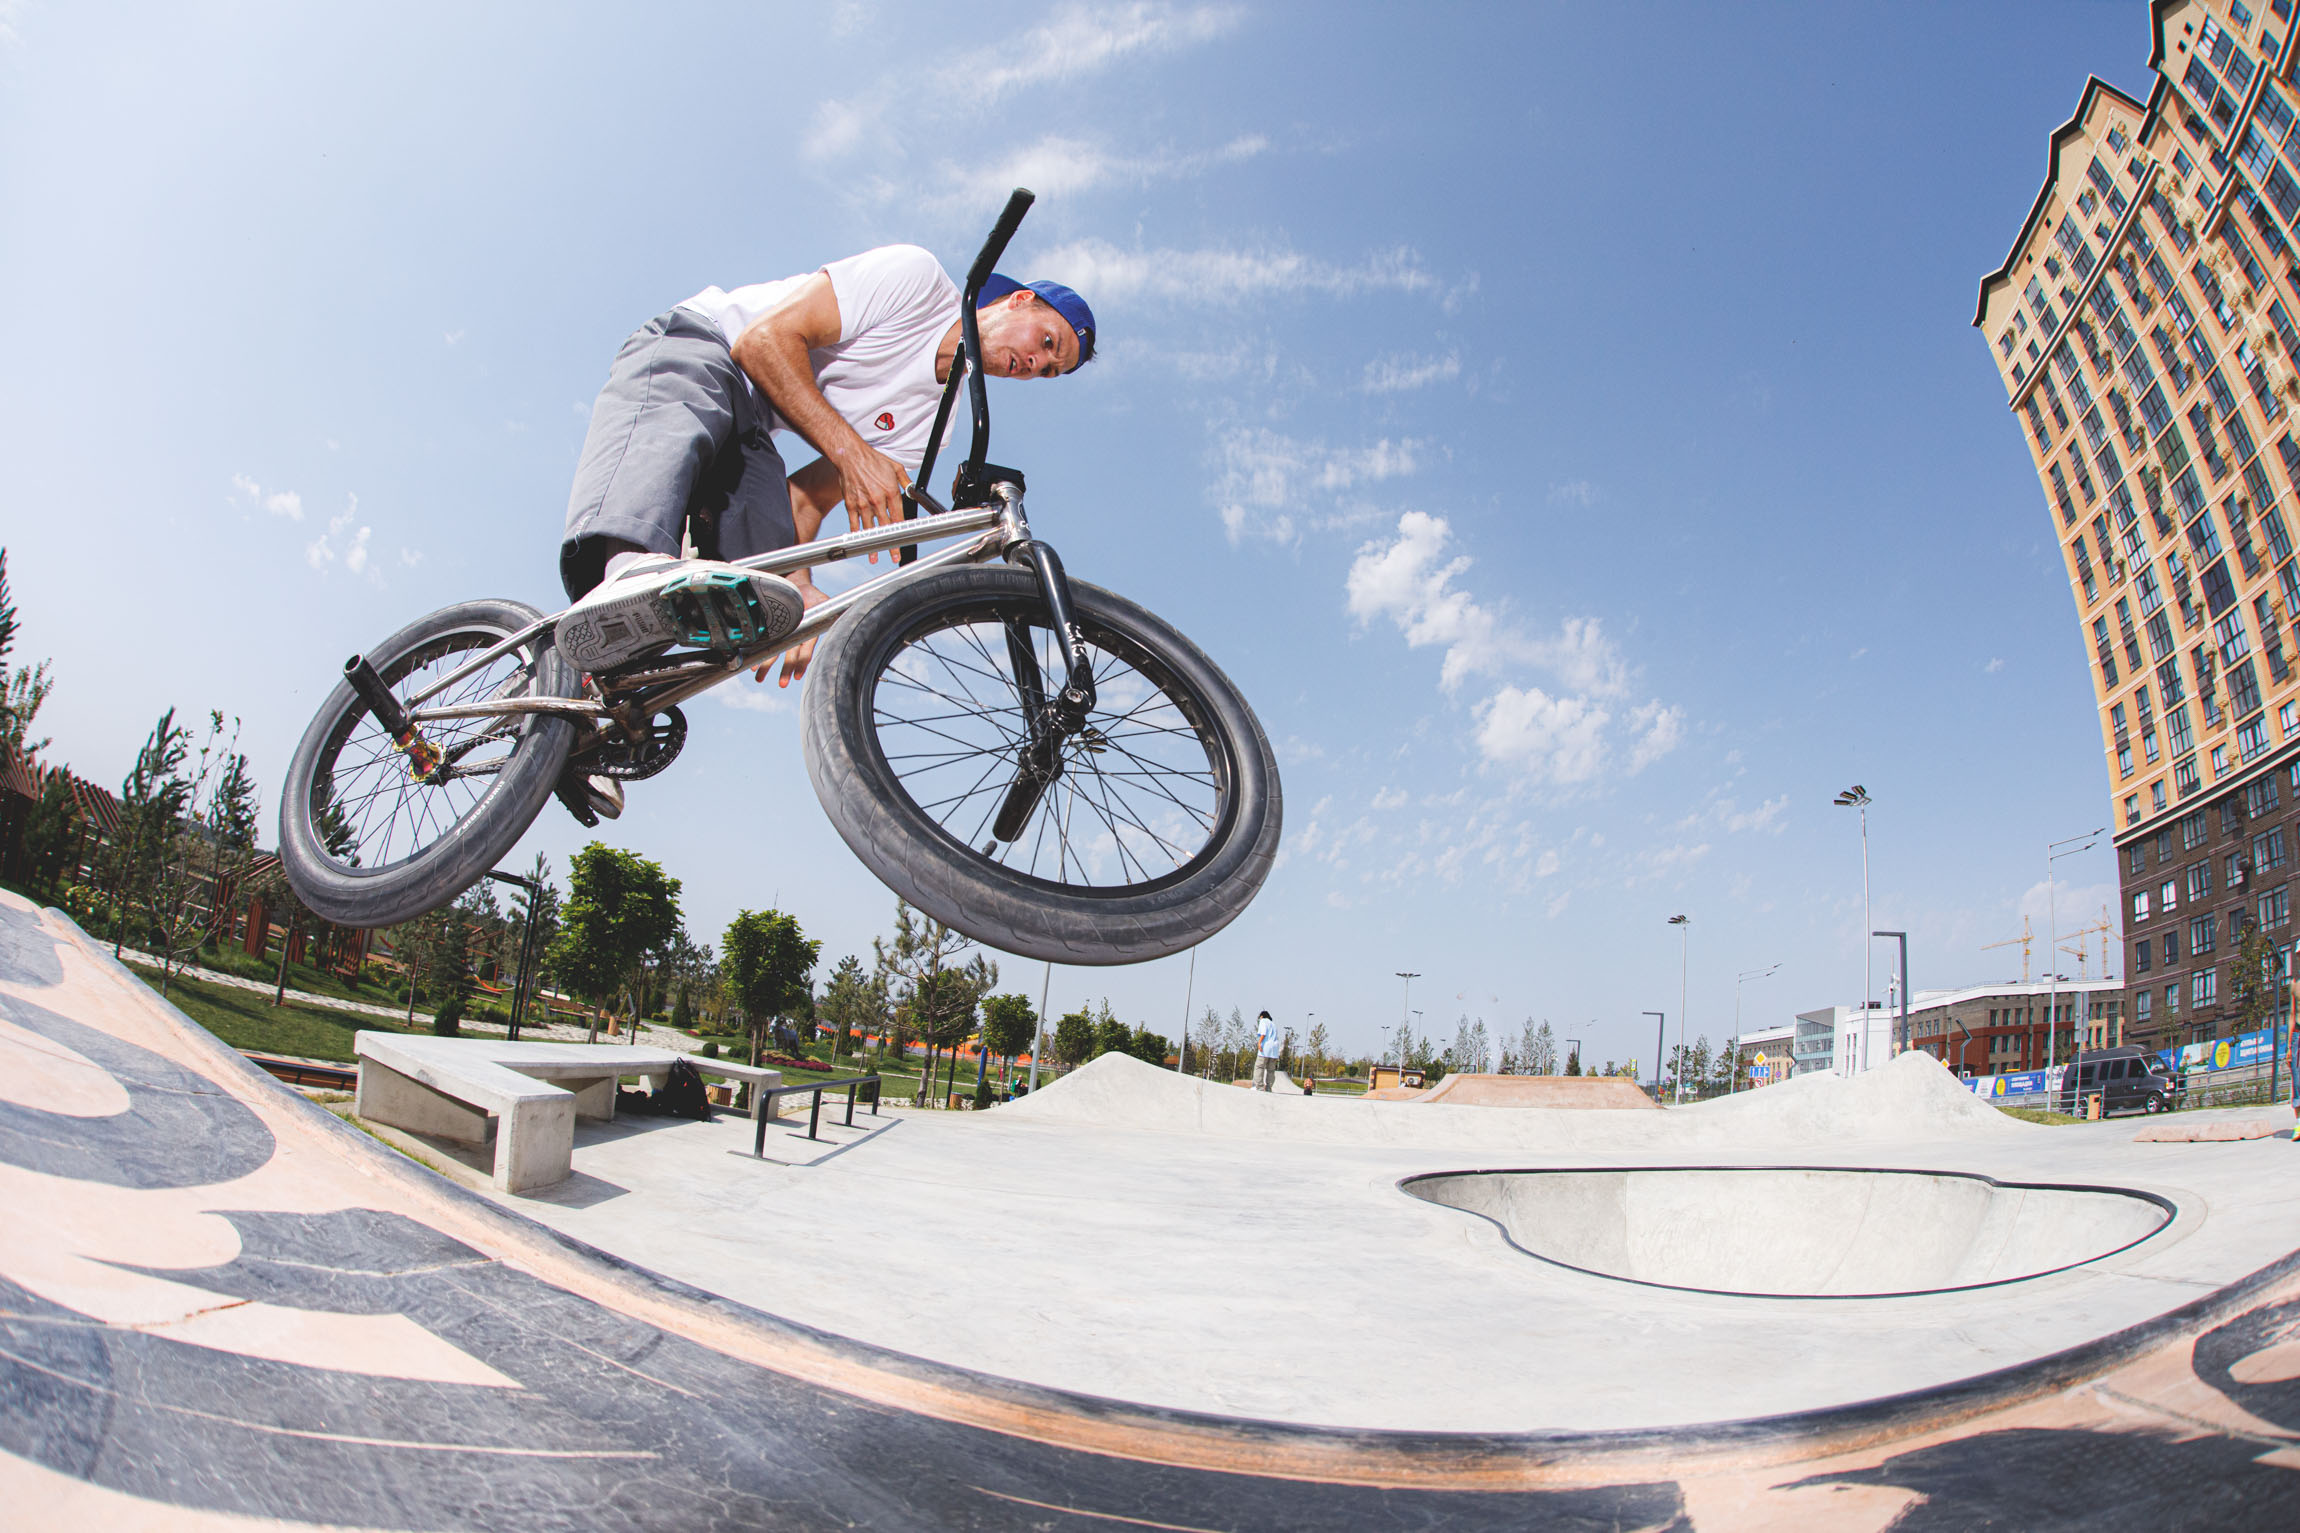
column 1974, row 1029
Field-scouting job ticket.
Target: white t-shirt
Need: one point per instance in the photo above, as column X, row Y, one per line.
column 895, row 305
column 1269, row 1038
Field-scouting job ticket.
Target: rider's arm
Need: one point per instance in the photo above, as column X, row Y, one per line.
column 774, row 354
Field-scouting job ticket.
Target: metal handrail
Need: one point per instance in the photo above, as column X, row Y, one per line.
column 760, row 1096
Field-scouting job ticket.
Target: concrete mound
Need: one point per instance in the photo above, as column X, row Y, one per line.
column 1913, row 1099
column 1576, row 1092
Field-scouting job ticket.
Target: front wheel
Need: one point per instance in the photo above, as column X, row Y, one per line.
column 1158, row 829
column 365, row 841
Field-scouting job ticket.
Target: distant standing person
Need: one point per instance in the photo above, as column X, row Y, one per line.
column 1268, row 1040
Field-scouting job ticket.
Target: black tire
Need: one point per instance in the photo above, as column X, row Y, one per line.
column 393, row 848
column 1172, row 891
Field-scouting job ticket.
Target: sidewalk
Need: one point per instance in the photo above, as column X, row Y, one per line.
column 549, row 1032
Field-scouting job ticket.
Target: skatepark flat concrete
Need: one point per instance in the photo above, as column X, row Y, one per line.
column 221, row 1308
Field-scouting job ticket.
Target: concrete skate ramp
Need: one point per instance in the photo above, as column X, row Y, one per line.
column 1912, row 1099
column 1800, row 1232
column 223, row 1310
column 1575, row 1092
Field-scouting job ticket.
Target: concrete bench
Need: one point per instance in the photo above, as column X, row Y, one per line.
column 528, row 1094
column 758, row 1077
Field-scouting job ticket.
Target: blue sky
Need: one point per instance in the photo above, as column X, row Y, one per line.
column 1563, row 423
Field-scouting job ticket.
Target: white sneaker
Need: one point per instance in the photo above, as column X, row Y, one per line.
column 658, row 600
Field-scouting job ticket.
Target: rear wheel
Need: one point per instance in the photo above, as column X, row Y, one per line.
column 1154, row 831
column 366, row 842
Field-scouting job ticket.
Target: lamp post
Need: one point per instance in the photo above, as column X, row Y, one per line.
column 1660, row 1032
column 1683, row 925
column 1857, row 797
column 1733, row 1076
column 1901, row 1036
column 1189, row 994
column 1405, row 1012
column 2053, row 854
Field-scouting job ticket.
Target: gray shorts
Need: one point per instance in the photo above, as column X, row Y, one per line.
column 677, row 441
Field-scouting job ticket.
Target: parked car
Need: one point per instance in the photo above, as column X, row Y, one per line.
column 2127, row 1079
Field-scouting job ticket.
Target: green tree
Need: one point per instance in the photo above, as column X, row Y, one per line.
column 22, row 690
column 1316, row 1051
column 152, row 800
column 1008, row 1025
column 1074, row 1039
column 206, row 854
column 342, row 842
column 545, row 898
column 1147, row 1046
column 2254, row 982
column 768, row 964
column 942, row 1007
column 920, row 950
column 854, row 1004
column 447, row 960
column 1111, row 1036
column 50, row 831
column 620, row 908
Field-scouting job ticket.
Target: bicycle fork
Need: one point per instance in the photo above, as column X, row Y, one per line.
column 1054, row 720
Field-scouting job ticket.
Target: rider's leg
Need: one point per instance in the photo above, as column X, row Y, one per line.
column 670, row 403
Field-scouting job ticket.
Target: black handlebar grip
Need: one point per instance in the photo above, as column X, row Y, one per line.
column 995, row 246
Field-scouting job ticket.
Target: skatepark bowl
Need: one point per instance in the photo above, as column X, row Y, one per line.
column 1857, row 1233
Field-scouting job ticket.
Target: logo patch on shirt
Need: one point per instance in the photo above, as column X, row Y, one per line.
column 885, row 421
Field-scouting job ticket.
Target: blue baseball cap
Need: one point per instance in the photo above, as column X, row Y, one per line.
column 1057, row 297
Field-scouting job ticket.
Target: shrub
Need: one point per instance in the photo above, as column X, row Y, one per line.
column 711, row 1049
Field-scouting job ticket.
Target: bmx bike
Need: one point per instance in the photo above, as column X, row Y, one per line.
column 1035, row 762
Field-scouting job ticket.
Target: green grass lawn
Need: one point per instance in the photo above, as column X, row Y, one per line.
column 246, row 1019
column 300, row 976
column 2038, row 1115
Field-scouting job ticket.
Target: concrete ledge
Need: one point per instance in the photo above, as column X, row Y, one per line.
column 526, row 1096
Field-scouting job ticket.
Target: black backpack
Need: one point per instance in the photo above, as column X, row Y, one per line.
column 682, row 1095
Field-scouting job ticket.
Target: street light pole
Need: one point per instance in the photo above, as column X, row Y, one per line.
column 1405, row 1011
column 1733, row 1076
column 1857, row 797
column 1189, row 993
column 1683, row 925
column 1660, row 1032
column 2053, row 854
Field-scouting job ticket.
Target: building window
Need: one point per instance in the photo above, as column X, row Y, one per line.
column 2171, row 948
column 2287, row 718
column 2203, row 987
column 2140, row 904
column 2184, row 776
column 2172, row 1000
column 2140, row 956
column 2124, row 761
column 2199, row 882
column 2156, row 797
column 2252, row 737
column 2131, row 808
column 2203, row 935
column 2168, row 896
column 2276, row 906
column 2142, row 1005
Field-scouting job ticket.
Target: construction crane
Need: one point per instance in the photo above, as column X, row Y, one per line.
column 2083, row 946
column 2024, row 939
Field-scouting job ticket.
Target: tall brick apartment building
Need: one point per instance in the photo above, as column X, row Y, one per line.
column 2144, row 324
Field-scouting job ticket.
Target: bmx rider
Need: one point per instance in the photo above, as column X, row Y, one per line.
column 850, row 358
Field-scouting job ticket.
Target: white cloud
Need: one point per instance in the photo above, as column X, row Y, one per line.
column 246, row 491
column 1559, row 740
column 1765, row 817
column 1272, row 484
column 343, row 543
column 1056, row 166
column 1402, row 373
column 1390, row 798
column 454, row 336
column 1548, row 865
column 1411, row 581
column 1109, row 274
column 1992, row 667
column 1659, row 728
column 1074, row 43
column 764, row 697
column 1573, row 492
column 409, row 558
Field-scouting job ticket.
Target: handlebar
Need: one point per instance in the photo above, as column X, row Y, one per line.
column 1009, row 220
column 968, row 362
